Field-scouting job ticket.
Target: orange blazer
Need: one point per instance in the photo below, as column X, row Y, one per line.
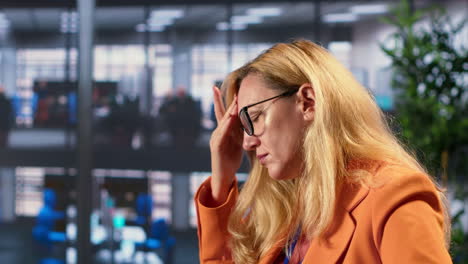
column 400, row 221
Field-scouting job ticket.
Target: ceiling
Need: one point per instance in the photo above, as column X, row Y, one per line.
column 48, row 19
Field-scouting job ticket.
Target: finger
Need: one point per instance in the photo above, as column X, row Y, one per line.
column 231, row 109
column 230, row 121
column 234, row 109
column 218, row 104
column 231, row 131
column 225, row 120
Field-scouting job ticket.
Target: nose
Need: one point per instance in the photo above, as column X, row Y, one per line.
column 250, row 142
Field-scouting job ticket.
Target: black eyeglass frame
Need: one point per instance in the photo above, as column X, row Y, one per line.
column 245, row 108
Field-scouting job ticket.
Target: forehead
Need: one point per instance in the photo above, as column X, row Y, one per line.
column 253, row 89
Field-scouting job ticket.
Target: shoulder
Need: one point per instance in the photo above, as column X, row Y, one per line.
column 395, row 184
column 387, row 186
column 404, row 197
column 399, row 210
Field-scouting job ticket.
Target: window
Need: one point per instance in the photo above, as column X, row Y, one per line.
column 210, row 64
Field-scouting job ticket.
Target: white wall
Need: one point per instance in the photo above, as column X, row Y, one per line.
column 458, row 10
column 367, row 35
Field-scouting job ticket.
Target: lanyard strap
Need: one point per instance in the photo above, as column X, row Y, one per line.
column 291, row 248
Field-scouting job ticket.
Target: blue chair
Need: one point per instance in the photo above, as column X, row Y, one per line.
column 144, row 208
column 159, row 240
column 43, row 230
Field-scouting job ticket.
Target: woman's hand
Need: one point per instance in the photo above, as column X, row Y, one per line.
column 225, row 146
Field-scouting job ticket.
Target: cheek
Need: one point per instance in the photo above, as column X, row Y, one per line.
column 290, row 146
column 285, row 136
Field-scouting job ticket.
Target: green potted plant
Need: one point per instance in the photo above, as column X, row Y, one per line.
column 429, row 80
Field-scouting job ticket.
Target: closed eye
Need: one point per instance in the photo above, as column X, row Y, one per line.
column 254, row 116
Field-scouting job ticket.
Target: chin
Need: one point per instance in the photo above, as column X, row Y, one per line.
column 275, row 176
column 278, row 174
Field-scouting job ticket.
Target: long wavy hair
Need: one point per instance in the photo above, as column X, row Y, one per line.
column 347, row 125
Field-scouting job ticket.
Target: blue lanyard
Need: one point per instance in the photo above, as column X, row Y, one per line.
column 291, row 248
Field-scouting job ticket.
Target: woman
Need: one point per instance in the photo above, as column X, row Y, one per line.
column 329, row 182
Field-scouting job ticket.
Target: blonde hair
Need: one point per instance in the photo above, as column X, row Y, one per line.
column 347, row 125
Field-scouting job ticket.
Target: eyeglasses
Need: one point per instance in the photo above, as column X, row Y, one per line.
column 246, row 121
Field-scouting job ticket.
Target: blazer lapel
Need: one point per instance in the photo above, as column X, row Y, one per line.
column 335, row 241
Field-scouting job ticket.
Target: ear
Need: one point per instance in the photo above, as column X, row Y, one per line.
column 306, row 101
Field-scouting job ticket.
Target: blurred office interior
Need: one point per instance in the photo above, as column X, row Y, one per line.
column 149, row 112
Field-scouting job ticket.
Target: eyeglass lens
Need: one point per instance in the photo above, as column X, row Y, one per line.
column 245, row 121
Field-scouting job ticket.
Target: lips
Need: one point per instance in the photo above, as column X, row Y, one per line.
column 262, row 157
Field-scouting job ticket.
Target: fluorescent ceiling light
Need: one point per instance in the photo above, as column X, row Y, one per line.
column 340, row 18
column 169, row 13
column 264, row 11
column 162, row 21
column 140, row 27
column 161, row 18
column 239, row 27
column 156, row 28
column 151, row 28
column 223, row 26
column 369, row 9
column 246, row 20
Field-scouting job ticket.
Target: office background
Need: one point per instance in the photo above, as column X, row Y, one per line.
column 117, row 133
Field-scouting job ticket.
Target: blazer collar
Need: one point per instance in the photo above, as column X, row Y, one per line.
column 331, row 247
column 335, row 241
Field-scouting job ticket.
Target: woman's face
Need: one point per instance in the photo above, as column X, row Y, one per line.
column 278, row 128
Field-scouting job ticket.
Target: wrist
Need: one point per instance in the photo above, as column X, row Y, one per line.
column 220, row 191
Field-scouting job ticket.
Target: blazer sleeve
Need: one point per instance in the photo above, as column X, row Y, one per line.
column 212, row 225
column 409, row 221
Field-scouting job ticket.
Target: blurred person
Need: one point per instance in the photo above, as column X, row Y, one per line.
column 182, row 115
column 329, row 182
column 43, row 114
column 6, row 117
column 123, row 121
